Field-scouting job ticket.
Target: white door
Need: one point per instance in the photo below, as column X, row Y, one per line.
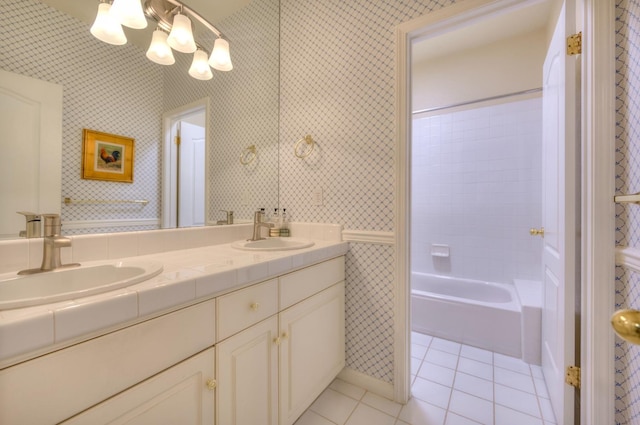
column 31, row 143
column 191, row 188
column 560, row 215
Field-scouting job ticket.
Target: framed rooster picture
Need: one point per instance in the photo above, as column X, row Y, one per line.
column 107, row 156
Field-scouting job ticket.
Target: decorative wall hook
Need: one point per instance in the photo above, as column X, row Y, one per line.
column 248, row 155
column 304, row 147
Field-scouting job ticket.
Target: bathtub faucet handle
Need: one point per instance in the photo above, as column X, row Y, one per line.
column 537, row 232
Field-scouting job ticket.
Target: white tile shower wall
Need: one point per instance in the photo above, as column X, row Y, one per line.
column 337, row 84
column 244, row 109
column 627, row 377
column 41, row 42
column 476, row 186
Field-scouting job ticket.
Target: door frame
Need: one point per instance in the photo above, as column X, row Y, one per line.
column 167, row 117
column 595, row 17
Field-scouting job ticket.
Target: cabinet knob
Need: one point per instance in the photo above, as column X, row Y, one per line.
column 276, row 341
column 285, row 335
column 255, row 306
column 211, row 384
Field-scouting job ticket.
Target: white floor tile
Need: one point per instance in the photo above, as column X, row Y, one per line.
column 421, row 339
column 517, row 400
column 385, row 405
column 334, row 406
column 431, row 392
column 312, row 418
column 446, row 346
column 475, row 368
column 415, row 365
column 473, row 385
column 418, row 351
column 453, row 419
column 418, row 412
column 511, row 363
column 478, row 354
column 472, row 407
column 440, row 374
column 347, row 389
column 441, row 358
column 514, row 380
column 506, row 416
column 399, row 422
column 536, row 371
column 366, row 415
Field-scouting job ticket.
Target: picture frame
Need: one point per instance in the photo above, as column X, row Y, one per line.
column 107, row 156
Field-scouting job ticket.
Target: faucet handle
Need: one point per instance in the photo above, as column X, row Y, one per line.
column 33, row 229
column 229, row 216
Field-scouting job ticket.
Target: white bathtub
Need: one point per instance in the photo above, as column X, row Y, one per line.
column 482, row 314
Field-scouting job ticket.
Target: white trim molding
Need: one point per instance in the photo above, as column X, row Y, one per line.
column 369, row 236
column 597, row 402
column 362, row 380
column 96, row 224
column 628, row 257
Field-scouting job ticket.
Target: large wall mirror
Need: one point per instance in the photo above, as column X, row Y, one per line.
column 117, row 90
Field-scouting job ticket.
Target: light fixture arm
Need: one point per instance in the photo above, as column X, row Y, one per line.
column 194, row 14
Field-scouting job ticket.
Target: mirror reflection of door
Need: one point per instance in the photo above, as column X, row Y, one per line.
column 185, row 166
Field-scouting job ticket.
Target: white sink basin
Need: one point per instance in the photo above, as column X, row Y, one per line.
column 273, row 244
column 66, row 284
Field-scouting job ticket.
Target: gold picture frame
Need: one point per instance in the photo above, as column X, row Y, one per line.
column 107, row 156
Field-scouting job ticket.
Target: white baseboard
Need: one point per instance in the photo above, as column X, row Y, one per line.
column 381, row 388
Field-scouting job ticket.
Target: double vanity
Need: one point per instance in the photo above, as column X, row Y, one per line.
column 223, row 332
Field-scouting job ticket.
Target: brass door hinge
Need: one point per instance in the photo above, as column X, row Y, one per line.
column 572, row 377
column 574, row 44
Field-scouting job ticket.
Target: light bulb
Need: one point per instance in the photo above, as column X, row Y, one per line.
column 129, row 13
column 106, row 27
column 199, row 67
column 159, row 51
column 181, row 38
column 220, row 58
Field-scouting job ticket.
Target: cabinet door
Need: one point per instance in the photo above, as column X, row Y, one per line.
column 181, row 395
column 247, row 371
column 311, row 350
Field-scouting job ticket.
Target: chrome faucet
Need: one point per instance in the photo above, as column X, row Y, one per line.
column 52, row 244
column 229, row 219
column 258, row 224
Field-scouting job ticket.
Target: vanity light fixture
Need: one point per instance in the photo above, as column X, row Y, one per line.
column 174, row 31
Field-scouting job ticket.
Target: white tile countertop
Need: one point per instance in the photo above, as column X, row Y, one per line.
column 189, row 275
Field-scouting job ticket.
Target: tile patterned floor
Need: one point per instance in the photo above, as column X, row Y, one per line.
column 453, row 384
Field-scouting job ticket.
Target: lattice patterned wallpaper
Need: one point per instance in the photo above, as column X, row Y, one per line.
column 244, row 110
column 337, row 84
column 627, row 403
column 39, row 41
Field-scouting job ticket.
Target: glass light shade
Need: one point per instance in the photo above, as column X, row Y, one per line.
column 106, row 27
column 181, row 37
column 220, row 58
column 129, row 13
column 159, row 51
column 200, row 67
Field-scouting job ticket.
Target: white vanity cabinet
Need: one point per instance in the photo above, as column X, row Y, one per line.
column 271, row 372
column 257, row 355
column 183, row 394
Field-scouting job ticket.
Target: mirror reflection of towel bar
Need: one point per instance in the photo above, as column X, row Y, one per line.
column 630, row 199
column 69, row 201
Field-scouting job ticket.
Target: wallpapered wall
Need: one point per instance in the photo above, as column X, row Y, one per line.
column 337, row 84
column 627, row 393
column 40, row 42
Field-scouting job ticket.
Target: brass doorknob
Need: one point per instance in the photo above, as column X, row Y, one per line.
column 537, row 232
column 626, row 323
